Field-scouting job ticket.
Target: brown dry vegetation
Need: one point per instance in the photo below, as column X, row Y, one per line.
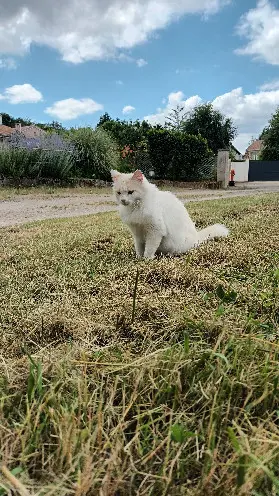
column 167, row 387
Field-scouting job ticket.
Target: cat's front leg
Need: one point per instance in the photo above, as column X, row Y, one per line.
column 153, row 241
column 139, row 246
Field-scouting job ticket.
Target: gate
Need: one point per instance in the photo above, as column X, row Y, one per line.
column 263, row 170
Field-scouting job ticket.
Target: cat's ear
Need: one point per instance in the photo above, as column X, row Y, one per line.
column 138, row 176
column 114, row 175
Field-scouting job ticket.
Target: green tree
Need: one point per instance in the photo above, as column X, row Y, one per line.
column 10, row 121
column 270, row 136
column 103, row 119
column 212, row 125
column 126, row 133
column 176, row 118
column 52, row 127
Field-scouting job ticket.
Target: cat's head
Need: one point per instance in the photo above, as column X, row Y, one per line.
column 129, row 189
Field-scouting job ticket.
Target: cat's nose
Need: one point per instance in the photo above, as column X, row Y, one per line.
column 124, row 202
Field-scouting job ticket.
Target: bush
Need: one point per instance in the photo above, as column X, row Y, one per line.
column 49, row 157
column 19, row 162
column 95, row 152
column 177, row 156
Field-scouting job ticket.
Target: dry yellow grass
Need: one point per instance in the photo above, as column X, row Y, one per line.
column 178, row 397
column 9, row 193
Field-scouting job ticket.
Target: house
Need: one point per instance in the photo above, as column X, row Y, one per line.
column 30, row 132
column 5, row 132
column 254, row 149
column 237, row 156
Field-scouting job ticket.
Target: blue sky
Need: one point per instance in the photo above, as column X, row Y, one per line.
column 75, row 61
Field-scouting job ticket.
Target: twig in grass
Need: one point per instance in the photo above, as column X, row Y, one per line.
column 135, row 295
column 14, row 482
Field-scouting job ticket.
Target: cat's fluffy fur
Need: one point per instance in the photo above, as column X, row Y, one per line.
column 158, row 221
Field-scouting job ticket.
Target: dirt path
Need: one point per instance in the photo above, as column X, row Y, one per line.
column 28, row 208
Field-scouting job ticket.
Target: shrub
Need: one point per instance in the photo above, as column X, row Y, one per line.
column 95, row 151
column 177, row 156
column 49, row 157
column 19, row 162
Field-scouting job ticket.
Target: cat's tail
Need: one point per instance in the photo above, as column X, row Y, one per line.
column 211, row 232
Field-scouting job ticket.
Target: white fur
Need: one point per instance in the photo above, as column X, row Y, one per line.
column 158, row 221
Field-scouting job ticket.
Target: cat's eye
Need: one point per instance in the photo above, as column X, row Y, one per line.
column 130, row 192
column 118, row 192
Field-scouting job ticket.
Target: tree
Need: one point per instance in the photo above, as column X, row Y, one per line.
column 264, row 133
column 126, row 133
column 10, row 121
column 53, row 126
column 103, row 119
column 212, row 125
column 271, row 139
column 176, row 118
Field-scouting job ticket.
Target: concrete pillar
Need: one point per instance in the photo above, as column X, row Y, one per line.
column 223, row 168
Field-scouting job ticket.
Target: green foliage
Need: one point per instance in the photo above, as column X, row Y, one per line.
column 35, row 380
column 95, row 152
column 180, row 151
column 8, row 120
column 212, row 125
column 18, row 163
column 53, row 126
column 177, row 156
column 270, row 135
column 179, row 434
column 176, row 118
column 125, row 133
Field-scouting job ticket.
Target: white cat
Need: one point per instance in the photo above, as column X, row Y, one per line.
column 158, row 221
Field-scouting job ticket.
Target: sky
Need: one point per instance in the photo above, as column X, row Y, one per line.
column 73, row 60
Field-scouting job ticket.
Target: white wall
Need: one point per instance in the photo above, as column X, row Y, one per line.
column 241, row 170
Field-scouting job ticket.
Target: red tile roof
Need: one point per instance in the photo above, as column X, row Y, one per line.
column 6, row 130
column 255, row 146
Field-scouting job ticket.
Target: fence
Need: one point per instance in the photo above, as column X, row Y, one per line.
column 241, row 170
column 205, row 170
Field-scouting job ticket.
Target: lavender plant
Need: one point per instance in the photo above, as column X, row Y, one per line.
column 49, row 156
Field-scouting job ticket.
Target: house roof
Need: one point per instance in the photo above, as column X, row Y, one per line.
column 6, row 130
column 32, row 131
column 255, row 146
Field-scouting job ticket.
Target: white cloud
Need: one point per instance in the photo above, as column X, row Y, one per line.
column 71, row 108
column 128, row 109
column 260, row 26
column 272, row 85
column 119, row 82
column 22, row 93
column 141, row 62
column 174, row 99
column 8, row 63
column 90, row 29
column 250, row 112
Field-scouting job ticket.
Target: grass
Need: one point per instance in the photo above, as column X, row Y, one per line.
column 124, row 377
